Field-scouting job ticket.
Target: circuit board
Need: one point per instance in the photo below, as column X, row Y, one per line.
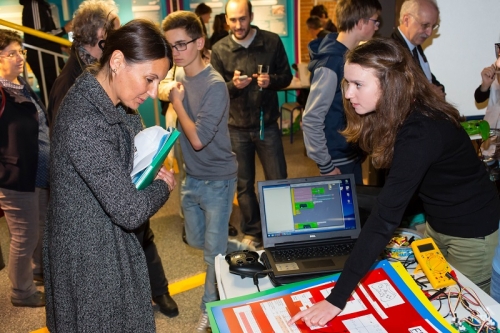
column 468, row 328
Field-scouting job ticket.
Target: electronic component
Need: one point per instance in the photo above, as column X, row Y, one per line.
column 432, row 262
column 480, row 127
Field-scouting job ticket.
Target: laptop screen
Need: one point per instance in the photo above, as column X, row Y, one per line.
column 308, row 208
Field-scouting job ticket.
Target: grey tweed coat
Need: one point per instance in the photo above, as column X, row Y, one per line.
column 96, row 278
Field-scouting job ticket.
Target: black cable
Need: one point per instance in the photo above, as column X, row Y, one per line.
column 256, row 277
column 449, row 276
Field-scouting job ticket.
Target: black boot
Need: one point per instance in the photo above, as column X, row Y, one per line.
column 2, row 263
column 184, row 234
column 233, row 232
column 167, row 305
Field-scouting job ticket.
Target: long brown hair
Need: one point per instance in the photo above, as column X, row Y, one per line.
column 403, row 89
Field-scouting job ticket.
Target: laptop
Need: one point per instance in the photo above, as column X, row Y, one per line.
column 304, row 213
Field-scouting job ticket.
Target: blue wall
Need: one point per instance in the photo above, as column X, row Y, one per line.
column 125, row 13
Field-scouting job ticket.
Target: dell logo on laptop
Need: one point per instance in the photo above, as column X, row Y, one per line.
column 312, row 236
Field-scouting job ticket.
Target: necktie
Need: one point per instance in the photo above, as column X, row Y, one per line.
column 415, row 56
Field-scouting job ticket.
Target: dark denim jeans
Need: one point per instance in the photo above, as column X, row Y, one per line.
column 272, row 157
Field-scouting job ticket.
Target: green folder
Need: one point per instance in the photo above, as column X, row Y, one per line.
column 146, row 177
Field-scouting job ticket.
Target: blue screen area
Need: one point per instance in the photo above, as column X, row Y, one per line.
column 311, row 207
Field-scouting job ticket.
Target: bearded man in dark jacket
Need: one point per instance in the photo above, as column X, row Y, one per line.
column 254, row 109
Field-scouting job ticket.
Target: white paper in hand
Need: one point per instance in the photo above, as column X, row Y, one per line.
column 146, row 144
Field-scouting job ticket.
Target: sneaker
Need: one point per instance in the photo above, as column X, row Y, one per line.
column 34, row 301
column 251, row 241
column 203, row 323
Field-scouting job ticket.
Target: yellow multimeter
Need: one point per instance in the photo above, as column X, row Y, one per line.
column 432, row 262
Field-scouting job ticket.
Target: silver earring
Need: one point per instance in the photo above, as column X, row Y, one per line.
column 113, row 70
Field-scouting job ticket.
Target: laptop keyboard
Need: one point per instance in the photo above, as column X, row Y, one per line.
column 320, row 251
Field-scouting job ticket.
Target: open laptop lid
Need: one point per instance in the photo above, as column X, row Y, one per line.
column 308, row 209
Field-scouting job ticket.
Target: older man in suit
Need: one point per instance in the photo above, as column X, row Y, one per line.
column 417, row 21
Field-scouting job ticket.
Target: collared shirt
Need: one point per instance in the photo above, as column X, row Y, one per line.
column 423, row 64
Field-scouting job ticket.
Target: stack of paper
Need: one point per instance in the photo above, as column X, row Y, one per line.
column 152, row 146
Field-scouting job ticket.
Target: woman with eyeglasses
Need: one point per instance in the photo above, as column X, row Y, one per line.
column 91, row 22
column 24, row 174
column 96, row 276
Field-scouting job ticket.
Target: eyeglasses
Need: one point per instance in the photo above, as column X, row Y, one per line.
column 12, row 54
column 375, row 22
column 183, row 46
column 427, row 25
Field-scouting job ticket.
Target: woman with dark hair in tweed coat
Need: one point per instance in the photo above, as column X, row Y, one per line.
column 96, row 279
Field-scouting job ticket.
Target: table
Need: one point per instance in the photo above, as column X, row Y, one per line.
column 231, row 285
column 296, row 84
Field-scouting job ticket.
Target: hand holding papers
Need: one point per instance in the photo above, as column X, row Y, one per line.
column 152, row 146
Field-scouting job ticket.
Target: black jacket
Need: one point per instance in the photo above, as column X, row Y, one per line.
column 19, row 141
column 37, row 15
column 396, row 35
column 266, row 49
column 72, row 69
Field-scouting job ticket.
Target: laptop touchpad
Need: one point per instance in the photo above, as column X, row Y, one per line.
column 318, row 263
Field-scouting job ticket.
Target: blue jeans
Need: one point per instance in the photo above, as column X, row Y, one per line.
column 272, row 157
column 495, row 285
column 207, row 206
column 495, row 274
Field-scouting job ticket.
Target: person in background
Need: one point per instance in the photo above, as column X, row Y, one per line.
column 418, row 19
column 489, row 90
column 201, row 102
column 24, row 172
column 321, row 12
column 204, row 12
column 38, row 15
column 324, row 116
column 489, row 84
column 91, row 21
column 220, row 28
column 315, row 28
column 96, row 276
column 416, row 134
column 253, row 112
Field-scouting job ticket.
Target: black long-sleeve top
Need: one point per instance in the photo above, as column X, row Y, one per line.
column 481, row 96
column 436, row 160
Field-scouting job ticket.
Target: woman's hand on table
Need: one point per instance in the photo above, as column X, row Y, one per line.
column 317, row 315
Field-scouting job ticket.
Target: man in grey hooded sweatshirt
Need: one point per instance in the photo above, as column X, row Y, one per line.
column 324, row 113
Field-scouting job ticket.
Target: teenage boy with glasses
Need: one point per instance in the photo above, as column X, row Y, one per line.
column 201, row 100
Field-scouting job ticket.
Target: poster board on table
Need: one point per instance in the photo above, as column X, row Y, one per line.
column 385, row 295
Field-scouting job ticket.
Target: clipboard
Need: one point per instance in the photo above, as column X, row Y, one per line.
column 142, row 179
